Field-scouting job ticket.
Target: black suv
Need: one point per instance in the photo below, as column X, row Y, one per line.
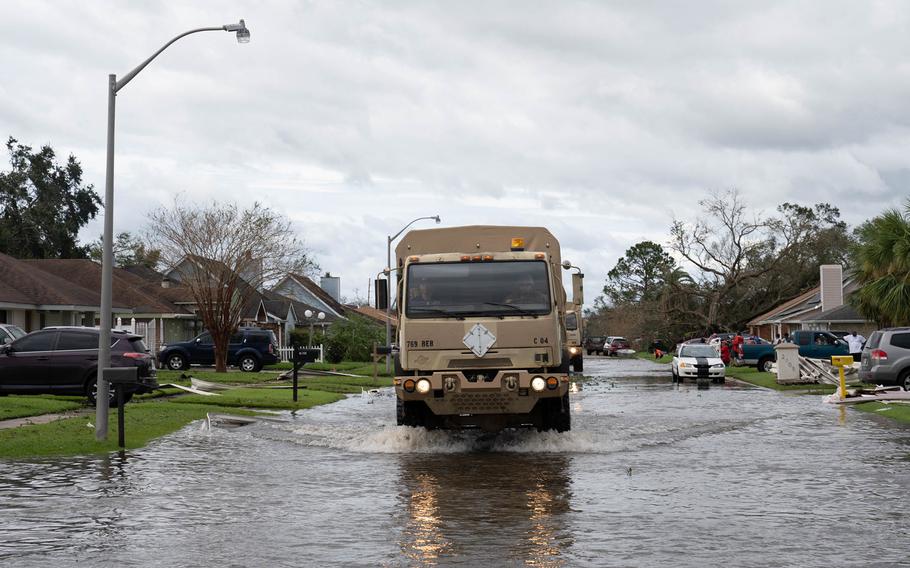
column 595, row 344
column 64, row 360
column 250, row 348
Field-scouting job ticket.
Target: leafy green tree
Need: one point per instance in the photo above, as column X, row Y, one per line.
column 638, row 276
column 352, row 339
column 43, row 204
column 128, row 251
column 882, row 261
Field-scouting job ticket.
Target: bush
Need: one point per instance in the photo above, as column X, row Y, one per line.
column 353, row 339
column 301, row 336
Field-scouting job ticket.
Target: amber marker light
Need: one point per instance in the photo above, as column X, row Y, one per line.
column 518, row 243
column 552, row 383
column 487, row 257
column 409, row 385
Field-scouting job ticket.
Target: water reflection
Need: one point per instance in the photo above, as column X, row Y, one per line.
column 505, row 508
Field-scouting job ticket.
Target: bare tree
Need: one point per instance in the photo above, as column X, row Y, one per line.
column 731, row 249
column 225, row 256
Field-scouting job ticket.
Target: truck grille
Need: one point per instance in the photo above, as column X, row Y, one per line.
column 491, row 363
column 473, row 403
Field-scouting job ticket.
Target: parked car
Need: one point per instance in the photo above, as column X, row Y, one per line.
column 697, row 360
column 64, row 360
column 615, row 345
column 812, row 344
column 249, row 348
column 595, row 344
column 886, row 358
column 10, row 333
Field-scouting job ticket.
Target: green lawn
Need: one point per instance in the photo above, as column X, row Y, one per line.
column 769, row 380
column 263, row 398
column 74, row 436
column 21, row 406
column 650, row 357
column 899, row 412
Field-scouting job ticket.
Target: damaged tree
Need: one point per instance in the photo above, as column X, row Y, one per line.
column 225, row 256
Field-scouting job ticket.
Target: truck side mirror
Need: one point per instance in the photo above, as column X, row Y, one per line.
column 578, row 289
column 382, row 294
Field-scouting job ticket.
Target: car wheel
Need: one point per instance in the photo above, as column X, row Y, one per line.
column 177, row 362
column 249, row 364
column 764, row 364
column 91, row 393
column 904, row 380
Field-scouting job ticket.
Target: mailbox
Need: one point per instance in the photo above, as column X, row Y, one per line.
column 304, row 355
column 121, row 375
column 842, row 360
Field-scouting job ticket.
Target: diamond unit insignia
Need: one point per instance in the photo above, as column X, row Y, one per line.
column 479, row 340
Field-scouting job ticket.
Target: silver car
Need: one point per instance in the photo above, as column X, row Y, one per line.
column 886, row 358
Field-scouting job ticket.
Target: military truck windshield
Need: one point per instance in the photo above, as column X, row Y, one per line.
column 504, row 288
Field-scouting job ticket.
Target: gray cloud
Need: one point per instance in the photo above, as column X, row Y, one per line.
column 600, row 121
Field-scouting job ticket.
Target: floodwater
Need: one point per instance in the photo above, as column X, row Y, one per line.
column 651, row 475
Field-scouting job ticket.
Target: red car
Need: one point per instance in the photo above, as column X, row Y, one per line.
column 617, row 344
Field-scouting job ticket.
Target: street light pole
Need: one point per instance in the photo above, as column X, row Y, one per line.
column 107, row 259
column 388, row 307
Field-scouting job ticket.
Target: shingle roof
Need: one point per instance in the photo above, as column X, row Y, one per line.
column 142, row 295
column 372, row 313
column 23, row 282
column 317, row 291
column 844, row 313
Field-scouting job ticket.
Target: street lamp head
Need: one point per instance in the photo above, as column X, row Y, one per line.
column 438, row 220
column 308, row 313
column 243, row 34
column 320, row 316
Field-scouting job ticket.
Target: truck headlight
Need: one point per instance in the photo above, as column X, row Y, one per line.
column 538, row 384
column 423, row 386
column 573, row 350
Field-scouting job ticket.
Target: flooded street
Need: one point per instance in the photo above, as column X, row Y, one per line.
column 651, row 474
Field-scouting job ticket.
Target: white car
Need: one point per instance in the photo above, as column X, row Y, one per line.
column 698, row 360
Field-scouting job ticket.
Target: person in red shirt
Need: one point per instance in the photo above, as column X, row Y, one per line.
column 725, row 352
column 738, row 346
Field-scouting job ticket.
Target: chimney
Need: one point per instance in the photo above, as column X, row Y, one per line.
column 332, row 285
column 832, row 286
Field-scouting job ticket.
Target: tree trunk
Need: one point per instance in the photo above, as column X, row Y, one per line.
column 221, row 350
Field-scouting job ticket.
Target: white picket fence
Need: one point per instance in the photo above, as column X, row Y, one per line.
column 287, row 353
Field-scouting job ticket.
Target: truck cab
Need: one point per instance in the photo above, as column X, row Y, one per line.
column 482, row 339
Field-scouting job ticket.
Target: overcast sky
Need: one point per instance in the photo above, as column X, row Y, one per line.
column 598, row 120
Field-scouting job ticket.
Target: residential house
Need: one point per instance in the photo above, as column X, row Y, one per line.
column 820, row 308
column 33, row 299
column 303, row 289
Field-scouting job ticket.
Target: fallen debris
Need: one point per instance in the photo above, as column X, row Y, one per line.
column 878, row 394
column 189, row 389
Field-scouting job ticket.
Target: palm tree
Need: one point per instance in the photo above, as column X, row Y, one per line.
column 882, row 259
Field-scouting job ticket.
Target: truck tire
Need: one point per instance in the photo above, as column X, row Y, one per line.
column 399, row 371
column 578, row 364
column 415, row 413
column 764, row 364
column 555, row 414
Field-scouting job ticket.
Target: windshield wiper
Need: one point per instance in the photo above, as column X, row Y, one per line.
column 521, row 311
column 440, row 311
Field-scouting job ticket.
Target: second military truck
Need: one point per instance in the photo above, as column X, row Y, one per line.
column 482, row 329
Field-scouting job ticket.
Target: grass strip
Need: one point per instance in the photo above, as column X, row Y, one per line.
column 899, row 412
column 23, row 406
column 650, row 357
column 76, row 436
column 263, row 398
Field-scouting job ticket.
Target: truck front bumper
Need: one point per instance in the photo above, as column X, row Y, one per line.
column 508, row 392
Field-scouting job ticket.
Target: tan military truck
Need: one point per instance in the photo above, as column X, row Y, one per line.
column 574, row 334
column 482, row 329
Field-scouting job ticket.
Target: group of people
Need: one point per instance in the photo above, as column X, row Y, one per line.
column 731, row 348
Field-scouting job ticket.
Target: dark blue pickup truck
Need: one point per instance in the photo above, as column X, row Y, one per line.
column 812, row 344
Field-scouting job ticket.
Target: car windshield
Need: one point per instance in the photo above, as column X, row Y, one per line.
column 504, row 288
column 698, row 351
column 15, row 331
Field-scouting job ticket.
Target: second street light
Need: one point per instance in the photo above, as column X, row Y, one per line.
column 107, row 259
column 388, row 308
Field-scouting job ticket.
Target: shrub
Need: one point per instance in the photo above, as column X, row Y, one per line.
column 353, row 339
